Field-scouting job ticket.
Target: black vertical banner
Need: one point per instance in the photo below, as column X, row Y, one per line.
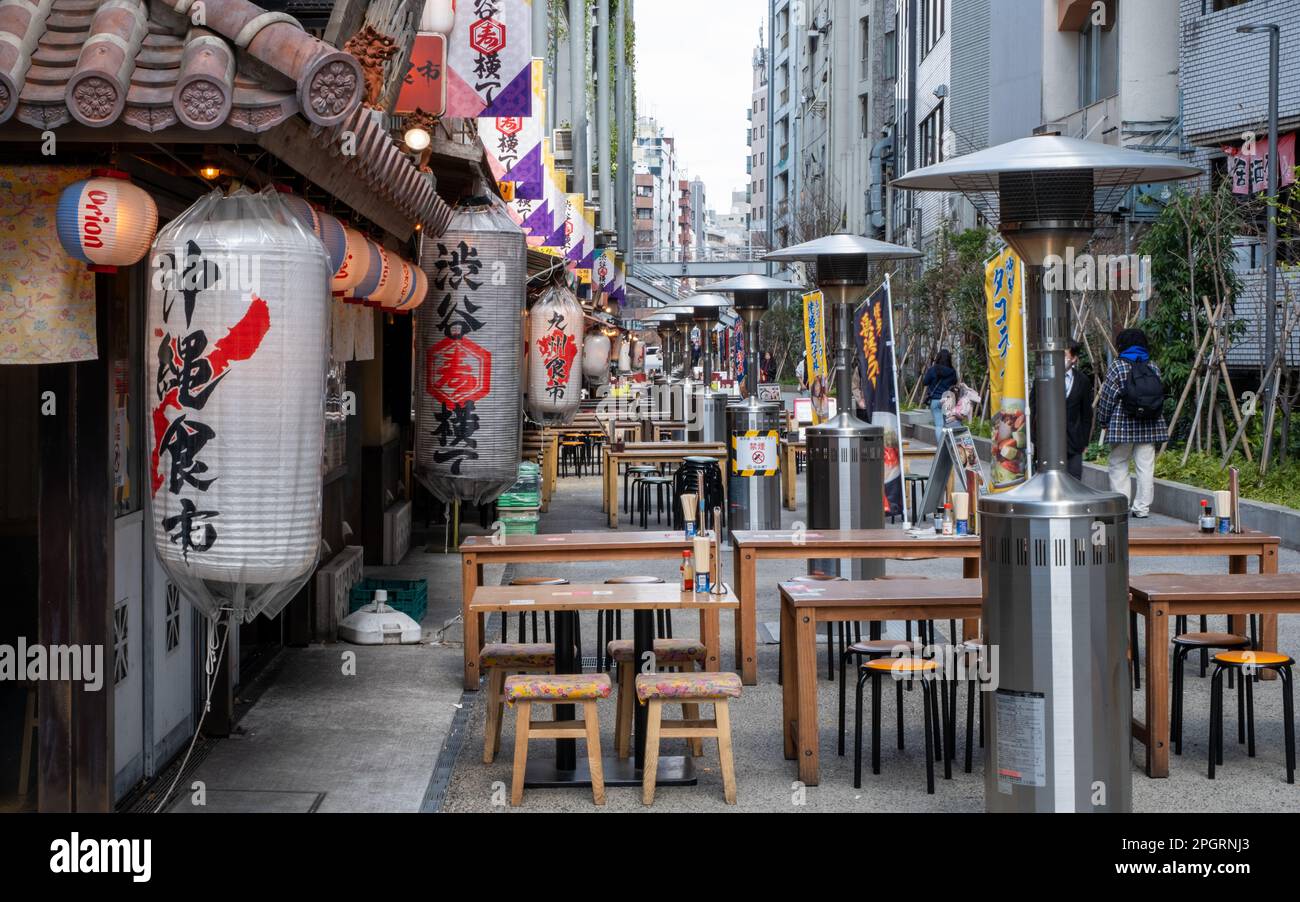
column 875, row 345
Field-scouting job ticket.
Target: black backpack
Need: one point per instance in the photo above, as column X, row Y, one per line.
column 1143, row 393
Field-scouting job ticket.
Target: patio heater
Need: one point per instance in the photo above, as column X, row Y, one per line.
column 846, row 457
column 666, row 320
column 1054, row 552
column 706, row 419
column 753, row 490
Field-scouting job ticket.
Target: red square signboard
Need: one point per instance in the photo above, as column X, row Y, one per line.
column 425, row 87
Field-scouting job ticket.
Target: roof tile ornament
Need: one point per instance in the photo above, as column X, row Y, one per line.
column 372, row 49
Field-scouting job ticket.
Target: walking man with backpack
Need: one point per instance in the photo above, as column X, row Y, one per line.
column 1131, row 412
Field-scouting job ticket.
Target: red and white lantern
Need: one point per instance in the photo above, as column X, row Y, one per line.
column 356, row 258
column 554, row 339
column 105, row 221
column 238, row 321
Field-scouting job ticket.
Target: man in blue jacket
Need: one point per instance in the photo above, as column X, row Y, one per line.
column 1131, row 431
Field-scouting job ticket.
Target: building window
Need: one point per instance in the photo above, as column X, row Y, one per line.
column 890, row 57
column 933, row 23
column 1098, row 63
column 1219, row 5
column 864, row 38
column 864, row 115
column 930, row 137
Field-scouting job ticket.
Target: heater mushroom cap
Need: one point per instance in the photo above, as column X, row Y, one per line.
column 842, row 245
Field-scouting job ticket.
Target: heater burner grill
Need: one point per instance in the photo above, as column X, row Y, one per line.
column 1038, row 196
column 852, row 270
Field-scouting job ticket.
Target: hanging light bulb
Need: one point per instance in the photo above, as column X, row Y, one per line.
column 211, row 173
column 417, row 138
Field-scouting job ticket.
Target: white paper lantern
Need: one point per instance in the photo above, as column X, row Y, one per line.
column 106, row 222
column 624, row 356
column 237, row 331
column 554, row 336
column 468, row 428
column 388, row 293
column 438, row 16
column 376, row 265
column 595, row 356
column 356, row 260
column 419, row 290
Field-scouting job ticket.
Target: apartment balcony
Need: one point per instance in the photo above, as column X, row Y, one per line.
column 1085, row 121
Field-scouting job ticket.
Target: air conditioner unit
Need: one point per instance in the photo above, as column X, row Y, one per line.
column 334, row 582
column 818, row 107
column 562, row 145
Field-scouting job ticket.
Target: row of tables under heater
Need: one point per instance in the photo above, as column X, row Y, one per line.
column 751, row 547
column 1156, row 597
column 566, row 603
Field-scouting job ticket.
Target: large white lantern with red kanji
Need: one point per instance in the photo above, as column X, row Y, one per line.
column 105, row 221
column 555, row 326
column 468, row 423
column 237, row 327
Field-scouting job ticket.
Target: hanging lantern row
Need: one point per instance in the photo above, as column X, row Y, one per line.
column 105, row 221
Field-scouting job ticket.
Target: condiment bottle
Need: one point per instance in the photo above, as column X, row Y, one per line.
column 948, row 524
column 1207, row 517
column 688, row 573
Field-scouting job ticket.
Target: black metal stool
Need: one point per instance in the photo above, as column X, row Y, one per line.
column 1184, row 644
column 532, row 581
column 661, row 485
column 1249, row 661
column 922, row 669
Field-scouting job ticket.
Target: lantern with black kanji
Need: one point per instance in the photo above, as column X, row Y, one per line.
column 468, row 346
column 554, row 378
column 105, row 221
column 237, row 327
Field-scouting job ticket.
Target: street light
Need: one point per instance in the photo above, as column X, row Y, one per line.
column 1054, row 552
column 1274, row 164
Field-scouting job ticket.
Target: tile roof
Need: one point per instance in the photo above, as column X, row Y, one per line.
column 101, row 62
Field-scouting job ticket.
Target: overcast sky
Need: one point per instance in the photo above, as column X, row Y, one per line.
column 695, row 75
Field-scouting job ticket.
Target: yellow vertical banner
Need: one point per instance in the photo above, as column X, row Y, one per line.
column 816, row 369
column 1004, row 293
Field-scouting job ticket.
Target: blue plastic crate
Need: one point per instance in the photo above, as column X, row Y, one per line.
column 410, row 596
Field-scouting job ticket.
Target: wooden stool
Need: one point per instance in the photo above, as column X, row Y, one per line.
column 678, row 654
column 876, row 669
column 568, row 689
column 695, row 688
column 1248, row 661
column 497, row 660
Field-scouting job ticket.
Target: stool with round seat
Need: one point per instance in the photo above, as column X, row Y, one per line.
column 1249, row 662
column 609, row 624
column 497, row 661
column 532, row 581
column 1184, row 644
column 899, row 669
column 871, row 649
column 631, row 475
column 662, row 486
column 571, row 455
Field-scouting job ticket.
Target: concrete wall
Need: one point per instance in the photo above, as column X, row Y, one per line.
column 1173, row 499
column 1015, row 70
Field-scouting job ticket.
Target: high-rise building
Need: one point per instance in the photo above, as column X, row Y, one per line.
column 758, row 165
column 656, row 179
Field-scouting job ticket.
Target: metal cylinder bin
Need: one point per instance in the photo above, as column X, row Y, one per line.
column 1055, row 574
column 754, row 494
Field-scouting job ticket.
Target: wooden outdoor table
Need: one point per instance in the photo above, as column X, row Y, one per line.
column 657, row 428
column 476, row 551
column 567, row 602
column 749, row 547
column 663, row 453
column 1159, row 597
column 803, row 606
